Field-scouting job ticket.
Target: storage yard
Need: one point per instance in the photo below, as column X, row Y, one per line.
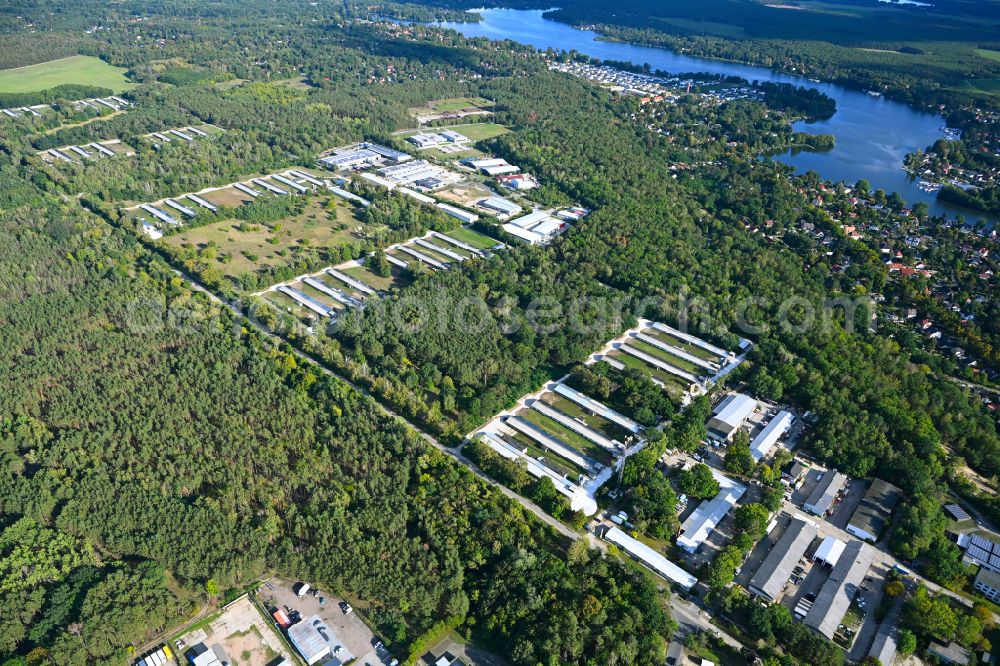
column 238, row 634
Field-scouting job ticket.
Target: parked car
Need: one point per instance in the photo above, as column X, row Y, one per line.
column 346, row 607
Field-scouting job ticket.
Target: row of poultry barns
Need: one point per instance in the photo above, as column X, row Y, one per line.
column 114, row 147
column 577, row 441
column 171, row 212
column 328, row 292
column 681, row 363
column 114, row 103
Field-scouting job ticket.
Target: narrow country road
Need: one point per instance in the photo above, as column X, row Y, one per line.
column 555, row 524
column 685, row 612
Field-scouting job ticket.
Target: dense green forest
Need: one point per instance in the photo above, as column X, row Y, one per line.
column 152, row 443
column 149, row 434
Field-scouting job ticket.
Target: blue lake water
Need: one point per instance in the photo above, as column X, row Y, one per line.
column 873, row 134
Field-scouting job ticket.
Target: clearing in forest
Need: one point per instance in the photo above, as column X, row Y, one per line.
column 83, row 70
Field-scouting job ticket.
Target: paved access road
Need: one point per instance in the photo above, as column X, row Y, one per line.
column 684, row 611
column 555, row 524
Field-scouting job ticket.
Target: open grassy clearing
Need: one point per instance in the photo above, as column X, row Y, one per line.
column 594, row 422
column 230, row 84
column 474, row 131
column 473, row 238
column 694, row 350
column 552, row 461
column 83, row 70
column 567, row 436
column 675, row 386
column 397, row 280
column 988, row 86
column 989, row 54
column 456, row 103
column 241, row 247
column 667, row 357
column 297, row 83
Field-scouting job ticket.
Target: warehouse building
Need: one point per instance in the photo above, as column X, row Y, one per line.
column 988, row 584
column 709, row 513
column 311, row 637
column 874, row 511
column 838, row 591
column 529, row 237
column 363, row 155
column 426, row 140
column 651, row 558
column 465, row 216
column 503, row 208
column 520, row 182
column 980, row 550
column 777, row 428
column 829, row 551
column 952, row 653
column 824, row 494
column 386, row 153
column 730, row 415
column 884, row 646
column 775, row 571
column 492, row 166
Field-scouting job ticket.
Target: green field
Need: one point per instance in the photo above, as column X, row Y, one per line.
column 456, row 103
column 676, row 361
column 988, row 54
column 675, row 386
column 240, row 248
column 988, row 86
column 84, row 70
column 569, row 437
column 473, row 238
column 573, row 410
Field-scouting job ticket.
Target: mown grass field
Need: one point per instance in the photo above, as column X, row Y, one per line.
column 269, row 244
column 989, row 54
column 988, row 86
column 84, row 70
column 456, row 103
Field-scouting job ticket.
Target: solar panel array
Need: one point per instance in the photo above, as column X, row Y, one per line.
column 984, row 551
column 957, row 512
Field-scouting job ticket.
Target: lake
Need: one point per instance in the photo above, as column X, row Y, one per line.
column 873, row 134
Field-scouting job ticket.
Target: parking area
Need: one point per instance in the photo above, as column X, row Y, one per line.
column 352, row 633
column 761, row 550
column 238, row 635
column 850, row 498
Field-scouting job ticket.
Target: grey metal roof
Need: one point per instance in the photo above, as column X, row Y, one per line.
column 776, row 569
column 835, row 596
column 884, row 646
column 874, row 511
column 825, row 492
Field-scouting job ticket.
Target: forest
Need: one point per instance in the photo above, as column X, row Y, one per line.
column 152, row 442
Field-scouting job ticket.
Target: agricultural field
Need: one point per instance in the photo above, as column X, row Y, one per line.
column 84, row 70
column 240, row 247
column 990, row 54
column 456, row 103
column 988, row 86
column 456, row 107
